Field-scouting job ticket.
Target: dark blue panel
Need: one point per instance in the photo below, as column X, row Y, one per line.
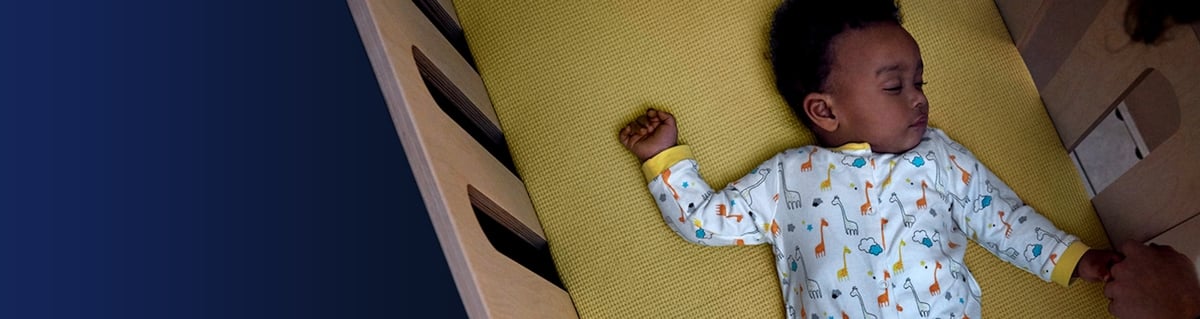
column 204, row 159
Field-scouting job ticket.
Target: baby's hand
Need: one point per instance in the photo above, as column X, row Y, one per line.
column 649, row 134
column 1095, row 264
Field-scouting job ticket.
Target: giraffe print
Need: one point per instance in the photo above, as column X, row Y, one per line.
column 935, row 288
column 923, row 202
column 721, row 211
column 791, row 197
column 814, row 288
column 827, row 183
column 854, row 293
column 966, row 176
column 972, row 208
column 922, row 307
column 844, row 273
column 666, row 176
column 957, row 269
column 762, row 177
column 819, row 251
column 850, row 226
column 909, row 220
column 866, row 206
column 884, row 300
column 807, row 166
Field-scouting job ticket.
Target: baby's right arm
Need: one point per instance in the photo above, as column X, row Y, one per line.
column 741, row 214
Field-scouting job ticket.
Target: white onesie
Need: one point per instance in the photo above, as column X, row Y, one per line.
column 848, row 225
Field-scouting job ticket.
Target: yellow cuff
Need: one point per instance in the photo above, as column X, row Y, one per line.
column 1067, row 262
column 663, row 160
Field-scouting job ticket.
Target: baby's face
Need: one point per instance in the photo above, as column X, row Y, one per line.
column 875, row 84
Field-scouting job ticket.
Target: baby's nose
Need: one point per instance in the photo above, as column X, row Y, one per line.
column 921, row 103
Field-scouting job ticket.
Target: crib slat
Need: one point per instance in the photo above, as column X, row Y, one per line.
column 441, row 14
column 447, row 162
column 452, row 101
column 448, row 6
column 405, row 14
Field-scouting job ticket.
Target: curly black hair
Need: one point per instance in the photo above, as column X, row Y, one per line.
column 800, row 38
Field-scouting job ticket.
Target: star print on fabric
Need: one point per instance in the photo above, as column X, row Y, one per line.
column 685, row 184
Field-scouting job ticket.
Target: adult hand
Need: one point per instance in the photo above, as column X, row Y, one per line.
column 1153, row 282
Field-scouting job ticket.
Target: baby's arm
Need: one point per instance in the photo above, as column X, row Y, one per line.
column 990, row 213
column 741, row 214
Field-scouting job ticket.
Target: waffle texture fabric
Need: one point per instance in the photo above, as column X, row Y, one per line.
column 565, row 76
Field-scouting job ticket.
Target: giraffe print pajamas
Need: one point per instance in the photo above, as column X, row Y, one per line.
column 848, row 225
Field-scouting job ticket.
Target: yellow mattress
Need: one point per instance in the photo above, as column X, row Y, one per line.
column 564, row 76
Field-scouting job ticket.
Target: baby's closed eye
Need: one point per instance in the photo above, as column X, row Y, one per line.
column 920, row 85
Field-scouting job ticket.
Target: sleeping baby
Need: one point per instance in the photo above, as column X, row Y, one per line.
column 884, row 206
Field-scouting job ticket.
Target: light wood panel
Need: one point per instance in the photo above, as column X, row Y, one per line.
column 1154, row 108
column 1183, row 239
column 446, row 160
column 1054, row 30
column 1102, row 69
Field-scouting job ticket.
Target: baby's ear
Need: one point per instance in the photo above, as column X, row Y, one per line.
column 817, row 109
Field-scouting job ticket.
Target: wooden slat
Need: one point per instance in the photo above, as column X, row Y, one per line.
column 460, row 108
column 1019, row 16
column 485, row 203
column 441, row 14
column 446, row 162
column 448, row 6
column 441, row 52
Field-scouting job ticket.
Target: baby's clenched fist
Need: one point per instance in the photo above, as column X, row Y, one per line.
column 649, row 134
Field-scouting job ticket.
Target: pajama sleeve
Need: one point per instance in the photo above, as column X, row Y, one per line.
column 740, row 214
column 992, row 215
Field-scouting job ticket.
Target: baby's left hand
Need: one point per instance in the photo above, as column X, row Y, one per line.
column 1095, row 264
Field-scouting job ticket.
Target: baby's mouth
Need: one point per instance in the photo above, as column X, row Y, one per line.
column 920, row 121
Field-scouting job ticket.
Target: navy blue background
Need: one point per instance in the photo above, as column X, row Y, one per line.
column 204, row 159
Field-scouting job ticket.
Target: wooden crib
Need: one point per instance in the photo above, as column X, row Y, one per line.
column 1109, row 101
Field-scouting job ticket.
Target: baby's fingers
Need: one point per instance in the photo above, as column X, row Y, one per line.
column 643, row 121
column 647, row 124
column 633, row 134
column 666, row 118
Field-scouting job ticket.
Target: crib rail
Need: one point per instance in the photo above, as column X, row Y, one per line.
column 459, row 159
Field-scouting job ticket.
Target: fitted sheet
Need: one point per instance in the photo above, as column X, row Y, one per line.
column 564, row 76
